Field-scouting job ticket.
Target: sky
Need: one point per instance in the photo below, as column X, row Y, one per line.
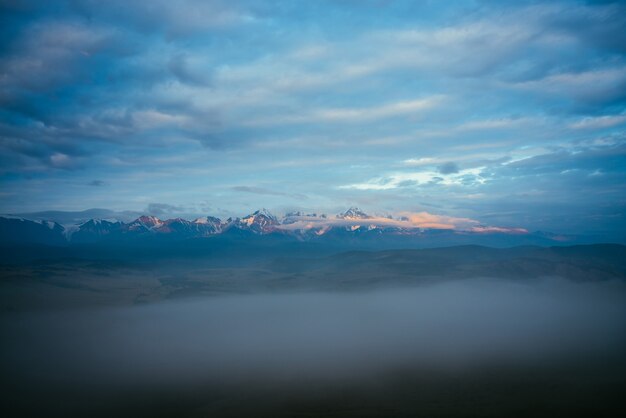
column 510, row 114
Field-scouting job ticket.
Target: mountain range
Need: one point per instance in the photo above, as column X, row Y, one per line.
column 352, row 228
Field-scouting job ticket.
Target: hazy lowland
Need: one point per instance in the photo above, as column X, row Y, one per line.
column 300, row 331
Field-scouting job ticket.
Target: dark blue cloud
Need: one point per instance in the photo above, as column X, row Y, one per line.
column 449, row 168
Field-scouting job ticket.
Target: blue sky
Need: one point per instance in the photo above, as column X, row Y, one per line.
column 512, row 114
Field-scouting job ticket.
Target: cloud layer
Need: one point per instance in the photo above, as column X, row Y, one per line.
column 511, row 114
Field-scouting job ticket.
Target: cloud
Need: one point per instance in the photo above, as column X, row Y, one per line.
column 60, row 160
column 406, row 220
column 158, row 97
column 264, row 191
column 469, row 176
column 355, row 114
column 179, row 66
column 96, row 183
column 492, row 229
column 182, row 18
column 431, row 221
column 599, row 122
column 500, row 123
column 584, row 159
column 448, row 168
column 590, row 87
column 50, row 55
column 161, row 209
column 420, row 161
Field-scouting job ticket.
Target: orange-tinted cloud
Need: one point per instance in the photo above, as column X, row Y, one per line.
column 405, row 220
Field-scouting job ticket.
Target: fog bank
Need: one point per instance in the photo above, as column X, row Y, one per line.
column 328, row 336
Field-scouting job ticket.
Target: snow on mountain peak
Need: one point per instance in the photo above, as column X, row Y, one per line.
column 261, row 215
column 259, row 221
column 150, row 221
column 264, row 212
column 354, row 213
column 300, row 225
column 207, row 220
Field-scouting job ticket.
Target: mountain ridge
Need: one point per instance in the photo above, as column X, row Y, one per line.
column 352, row 228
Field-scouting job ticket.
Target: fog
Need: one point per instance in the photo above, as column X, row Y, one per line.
column 317, row 336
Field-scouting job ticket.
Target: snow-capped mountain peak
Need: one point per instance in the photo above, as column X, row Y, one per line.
column 260, row 221
column 260, row 215
column 352, row 224
column 353, row 213
column 144, row 223
column 207, row 220
column 264, row 212
column 150, row 221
